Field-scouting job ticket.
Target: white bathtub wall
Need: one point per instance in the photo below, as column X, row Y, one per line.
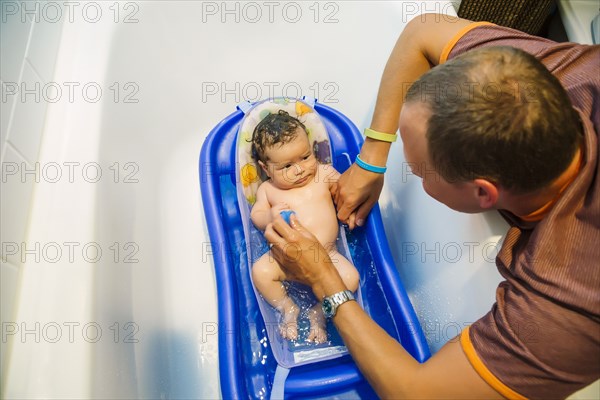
column 28, row 49
column 577, row 17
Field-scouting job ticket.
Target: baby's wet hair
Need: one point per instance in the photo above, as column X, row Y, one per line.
column 276, row 128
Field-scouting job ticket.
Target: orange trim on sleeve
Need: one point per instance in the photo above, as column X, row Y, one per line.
column 479, row 366
column 450, row 45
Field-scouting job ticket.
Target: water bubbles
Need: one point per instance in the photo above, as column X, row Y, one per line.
column 262, row 393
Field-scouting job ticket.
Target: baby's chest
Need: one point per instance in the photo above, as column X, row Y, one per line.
column 303, row 197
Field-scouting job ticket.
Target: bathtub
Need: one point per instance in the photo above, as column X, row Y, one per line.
column 129, row 308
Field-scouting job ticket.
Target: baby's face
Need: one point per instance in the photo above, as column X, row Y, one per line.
column 291, row 164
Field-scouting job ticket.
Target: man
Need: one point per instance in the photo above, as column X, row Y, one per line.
column 491, row 128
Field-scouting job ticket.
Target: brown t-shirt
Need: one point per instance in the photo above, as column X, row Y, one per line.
column 541, row 339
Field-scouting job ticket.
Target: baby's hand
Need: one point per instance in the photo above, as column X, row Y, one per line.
column 277, row 208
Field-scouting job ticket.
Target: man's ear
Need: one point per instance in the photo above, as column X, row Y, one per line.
column 487, row 193
column 264, row 168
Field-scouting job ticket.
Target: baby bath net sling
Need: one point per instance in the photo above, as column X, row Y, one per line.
column 287, row 353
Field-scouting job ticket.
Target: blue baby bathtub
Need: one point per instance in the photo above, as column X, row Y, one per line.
column 247, row 364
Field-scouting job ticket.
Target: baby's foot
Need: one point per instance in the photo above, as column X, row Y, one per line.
column 288, row 329
column 318, row 325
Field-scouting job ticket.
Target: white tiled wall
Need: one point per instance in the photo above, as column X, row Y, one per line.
column 28, row 49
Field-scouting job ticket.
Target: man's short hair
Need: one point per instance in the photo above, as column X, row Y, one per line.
column 498, row 113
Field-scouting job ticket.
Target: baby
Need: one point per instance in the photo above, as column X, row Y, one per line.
column 299, row 183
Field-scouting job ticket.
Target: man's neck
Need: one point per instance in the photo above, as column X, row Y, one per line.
column 534, row 206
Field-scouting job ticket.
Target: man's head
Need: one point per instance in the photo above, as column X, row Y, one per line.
column 494, row 114
column 281, row 147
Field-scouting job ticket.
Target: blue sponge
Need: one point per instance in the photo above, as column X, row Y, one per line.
column 286, row 215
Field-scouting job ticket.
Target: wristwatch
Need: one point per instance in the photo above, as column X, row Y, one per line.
column 331, row 303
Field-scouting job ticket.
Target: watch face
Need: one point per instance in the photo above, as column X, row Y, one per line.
column 327, row 307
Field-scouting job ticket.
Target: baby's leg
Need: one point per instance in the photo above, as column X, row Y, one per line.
column 347, row 271
column 318, row 325
column 267, row 277
column 349, row 274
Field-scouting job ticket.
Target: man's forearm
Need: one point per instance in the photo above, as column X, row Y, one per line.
column 405, row 65
column 383, row 361
column 377, row 354
column 417, row 50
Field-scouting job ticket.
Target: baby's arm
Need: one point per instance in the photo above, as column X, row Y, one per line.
column 261, row 211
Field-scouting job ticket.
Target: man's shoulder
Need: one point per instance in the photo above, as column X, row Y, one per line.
column 482, row 34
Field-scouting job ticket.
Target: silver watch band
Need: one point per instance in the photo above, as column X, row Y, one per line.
column 331, row 303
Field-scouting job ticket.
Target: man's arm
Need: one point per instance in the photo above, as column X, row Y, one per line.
column 417, row 50
column 393, row 372
column 389, row 368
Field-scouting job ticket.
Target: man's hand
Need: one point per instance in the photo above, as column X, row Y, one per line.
column 302, row 257
column 355, row 194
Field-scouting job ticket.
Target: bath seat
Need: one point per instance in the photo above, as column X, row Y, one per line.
column 250, row 356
